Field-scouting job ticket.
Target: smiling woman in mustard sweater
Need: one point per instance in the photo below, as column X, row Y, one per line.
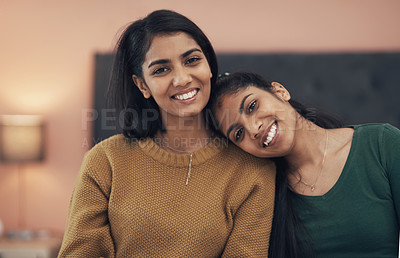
column 167, row 187
column 131, row 199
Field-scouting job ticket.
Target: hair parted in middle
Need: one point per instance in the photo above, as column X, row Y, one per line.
column 141, row 116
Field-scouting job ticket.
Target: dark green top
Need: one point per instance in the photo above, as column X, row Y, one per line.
column 357, row 217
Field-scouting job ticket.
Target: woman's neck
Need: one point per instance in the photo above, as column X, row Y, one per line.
column 184, row 134
column 309, row 145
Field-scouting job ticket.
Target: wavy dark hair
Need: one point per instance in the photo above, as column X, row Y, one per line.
column 284, row 241
column 140, row 116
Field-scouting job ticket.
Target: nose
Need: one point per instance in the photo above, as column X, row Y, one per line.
column 181, row 77
column 254, row 128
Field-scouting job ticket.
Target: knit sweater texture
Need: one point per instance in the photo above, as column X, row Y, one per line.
column 130, row 199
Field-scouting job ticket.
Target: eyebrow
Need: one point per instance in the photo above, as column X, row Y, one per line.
column 165, row 61
column 241, row 107
column 190, row 51
column 160, row 61
column 230, row 129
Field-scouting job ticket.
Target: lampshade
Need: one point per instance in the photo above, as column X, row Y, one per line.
column 21, row 138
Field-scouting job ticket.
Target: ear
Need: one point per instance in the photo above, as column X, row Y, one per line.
column 139, row 82
column 280, row 91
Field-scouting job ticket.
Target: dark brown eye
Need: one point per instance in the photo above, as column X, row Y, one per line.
column 238, row 134
column 251, row 106
column 192, row 60
column 160, row 71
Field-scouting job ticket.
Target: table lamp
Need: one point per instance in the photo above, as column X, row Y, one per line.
column 21, row 138
column 21, row 142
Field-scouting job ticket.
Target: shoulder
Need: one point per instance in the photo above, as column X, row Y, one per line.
column 107, row 152
column 381, row 139
column 375, row 128
column 241, row 157
column 250, row 166
column 115, row 142
column 376, row 132
column 114, row 145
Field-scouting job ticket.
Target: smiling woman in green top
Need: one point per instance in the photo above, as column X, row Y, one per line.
column 338, row 188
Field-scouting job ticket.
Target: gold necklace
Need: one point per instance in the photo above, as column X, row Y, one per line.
column 190, row 160
column 312, row 186
column 186, row 152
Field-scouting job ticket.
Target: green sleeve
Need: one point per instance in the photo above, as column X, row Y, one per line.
column 87, row 232
column 390, row 151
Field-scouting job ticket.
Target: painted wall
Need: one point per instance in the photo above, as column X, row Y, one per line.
column 46, row 67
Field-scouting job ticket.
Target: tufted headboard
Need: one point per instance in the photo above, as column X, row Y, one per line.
column 357, row 87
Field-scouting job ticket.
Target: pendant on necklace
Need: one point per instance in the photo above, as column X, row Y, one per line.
column 312, row 188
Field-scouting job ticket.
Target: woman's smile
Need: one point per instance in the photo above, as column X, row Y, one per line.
column 186, row 96
column 270, row 135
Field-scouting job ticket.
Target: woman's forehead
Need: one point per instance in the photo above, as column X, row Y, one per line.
column 164, row 42
column 227, row 112
column 169, row 46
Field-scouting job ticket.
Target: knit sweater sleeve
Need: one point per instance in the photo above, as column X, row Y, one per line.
column 88, row 231
column 253, row 218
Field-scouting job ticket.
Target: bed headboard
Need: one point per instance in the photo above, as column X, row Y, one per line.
column 357, row 87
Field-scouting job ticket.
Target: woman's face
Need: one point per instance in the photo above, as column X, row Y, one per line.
column 177, row 75
column 259, row 122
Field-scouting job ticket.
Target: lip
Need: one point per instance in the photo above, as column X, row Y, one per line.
column 185, row 92
column 264, row 138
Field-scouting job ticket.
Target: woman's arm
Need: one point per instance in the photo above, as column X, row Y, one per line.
column 88, row 231
column 390, row 151
column 253, row 218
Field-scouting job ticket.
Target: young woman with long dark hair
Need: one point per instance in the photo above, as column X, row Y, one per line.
column 338, row 187
column 167, row 187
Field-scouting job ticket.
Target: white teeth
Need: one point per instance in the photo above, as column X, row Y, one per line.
column 271, row 135
column 186, row 95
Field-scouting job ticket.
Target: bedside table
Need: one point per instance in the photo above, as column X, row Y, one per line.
column 34, row 248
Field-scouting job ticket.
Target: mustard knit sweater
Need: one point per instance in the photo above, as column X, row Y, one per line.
column 130, row 199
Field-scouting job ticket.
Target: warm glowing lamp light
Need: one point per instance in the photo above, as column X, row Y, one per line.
column 21, row 138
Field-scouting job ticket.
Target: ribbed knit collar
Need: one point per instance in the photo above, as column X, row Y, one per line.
column 181, row 160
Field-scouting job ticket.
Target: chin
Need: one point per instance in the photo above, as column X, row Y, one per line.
column 263, row 155
column 191, row 113
column 255, row 153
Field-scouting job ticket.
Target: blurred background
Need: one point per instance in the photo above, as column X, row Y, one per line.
column 47, row 68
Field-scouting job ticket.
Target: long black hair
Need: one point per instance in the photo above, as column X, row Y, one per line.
column 140, row 116
column 284, row 241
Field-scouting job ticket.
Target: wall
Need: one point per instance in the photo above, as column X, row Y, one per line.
column 46, row 65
